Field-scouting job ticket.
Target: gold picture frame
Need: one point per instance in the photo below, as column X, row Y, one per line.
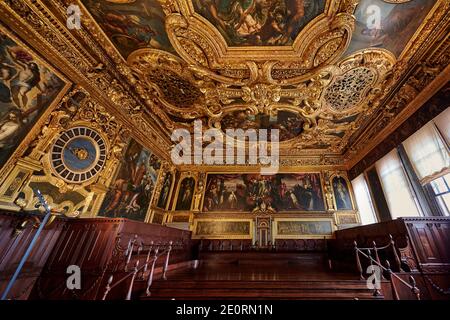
column 322, row 186
column 250, row 234
column 276, row 234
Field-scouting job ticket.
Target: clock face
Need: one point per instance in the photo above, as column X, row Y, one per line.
column 78, row 154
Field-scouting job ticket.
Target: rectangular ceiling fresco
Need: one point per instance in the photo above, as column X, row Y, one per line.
column 131, row 25
column 256, row 22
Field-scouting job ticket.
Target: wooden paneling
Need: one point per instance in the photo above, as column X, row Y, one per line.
column 423, row 243
column 430, row 238
column 98, row 247
column 13, row 246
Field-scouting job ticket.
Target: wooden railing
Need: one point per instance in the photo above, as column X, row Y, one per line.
column 135, row 250
column 367, row 253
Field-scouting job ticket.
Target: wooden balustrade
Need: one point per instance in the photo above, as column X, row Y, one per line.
column 103, row 247
column 367, row 253
column 158, row 250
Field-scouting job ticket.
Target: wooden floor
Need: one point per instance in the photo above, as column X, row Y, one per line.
column 260, row 276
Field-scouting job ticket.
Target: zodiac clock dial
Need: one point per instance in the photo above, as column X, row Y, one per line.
column 78, row 154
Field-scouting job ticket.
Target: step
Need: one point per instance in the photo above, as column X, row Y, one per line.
column 258, row 284
column 245, row 293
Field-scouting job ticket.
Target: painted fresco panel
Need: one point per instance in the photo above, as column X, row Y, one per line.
column 249, row 192
column 398, row 24
column 303, row 228
column 131, row 25
column 254, row 23
column 222, row 228
column 342, row 194
column 131, row 192
column 27, row 89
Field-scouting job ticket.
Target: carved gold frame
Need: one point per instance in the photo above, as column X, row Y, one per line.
column 276, row 235
column 350, row 190
column 218, row 236
column 183, row 176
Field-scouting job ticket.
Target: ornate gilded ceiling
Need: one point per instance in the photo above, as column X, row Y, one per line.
column 316, row 70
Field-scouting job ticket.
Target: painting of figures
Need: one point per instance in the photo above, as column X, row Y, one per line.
column 342, row 194
column 165, row 190
column 27, row 89
column 222, row 228
column 289, row 124
column 259, row 22
column 296, row 228
column 396, row 27
column 131, row 25
column 185, row 194
column 250, row 192
column 131, row 192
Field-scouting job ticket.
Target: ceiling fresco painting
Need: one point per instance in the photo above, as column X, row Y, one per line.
column 398, row 24
column 312, row 69
column 259, row 22
column 131, row 25
column 289, row 124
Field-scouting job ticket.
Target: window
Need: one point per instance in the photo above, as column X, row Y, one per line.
column 399, row 196
column 441, row 188
column 363, row 200
column 442, row 122
column 428, row 153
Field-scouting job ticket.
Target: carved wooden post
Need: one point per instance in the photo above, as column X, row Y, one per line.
column 377, row 257
column 147, row 259
column 389, row 272
column 130, row 288
column 414, row 288
column 150, row 276
column 358, row 262
column 108, row 287
column 130, row 251
column 166, row 263
column 397, row 259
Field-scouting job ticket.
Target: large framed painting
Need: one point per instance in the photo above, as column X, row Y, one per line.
column 255, row 23
column 185, row 194
column 29, row 90
column 131, row 192
column 223, row 229
column 250, row 192
column 398, row 23
column 285, row 228
column 165, row 191
column 131, row 25
column 342, row 194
